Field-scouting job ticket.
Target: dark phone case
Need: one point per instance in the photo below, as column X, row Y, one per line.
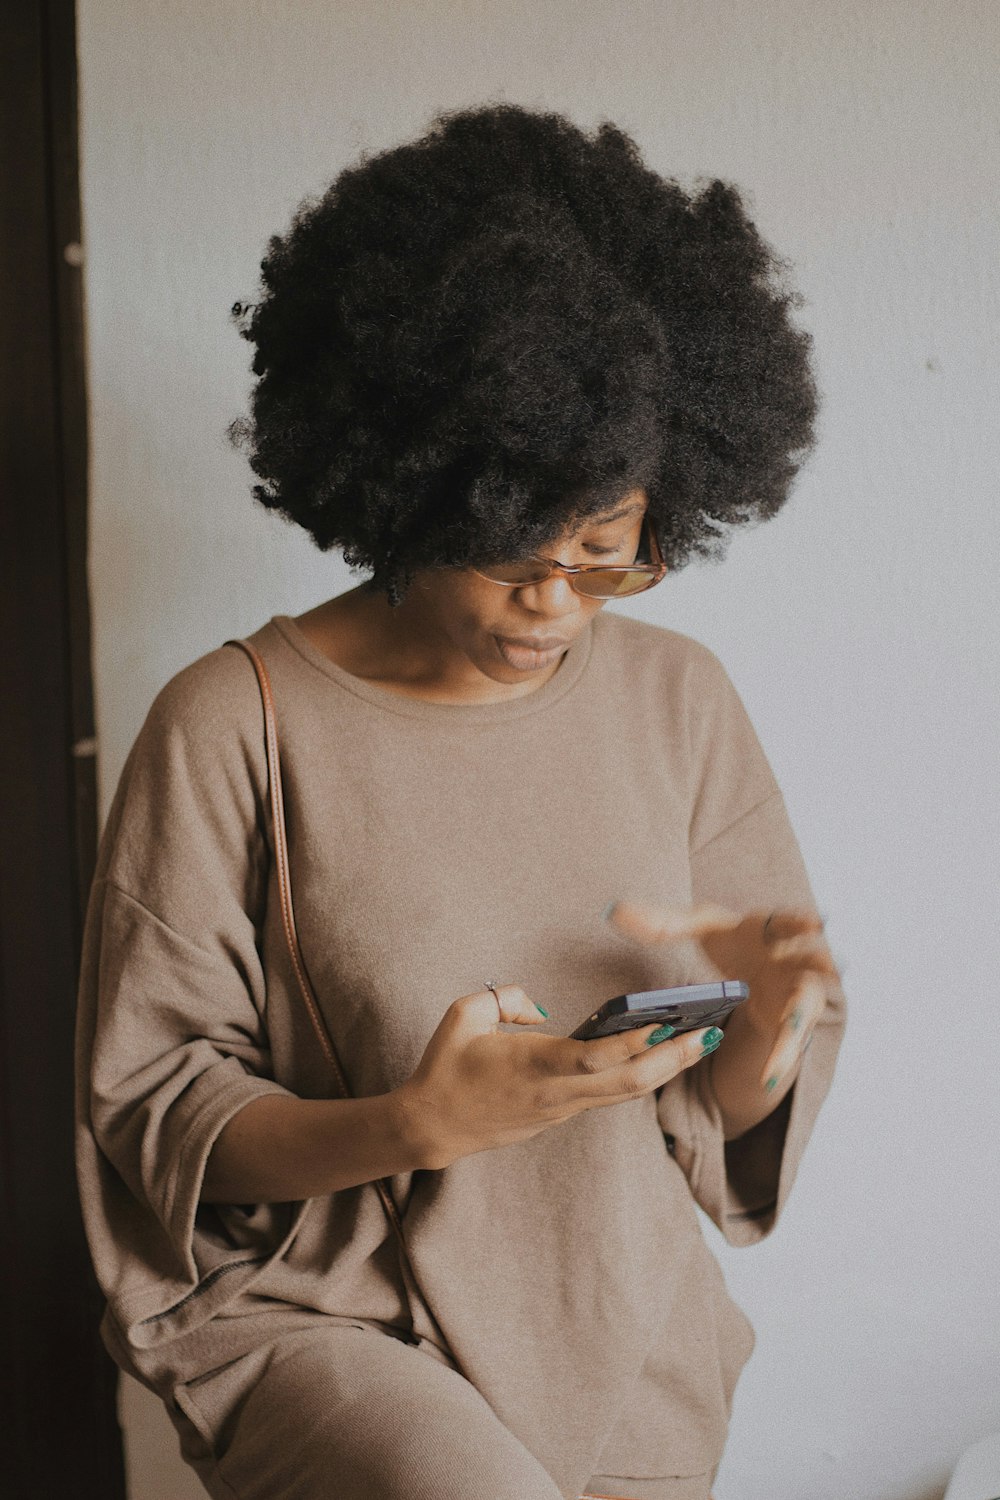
column 686, row 1007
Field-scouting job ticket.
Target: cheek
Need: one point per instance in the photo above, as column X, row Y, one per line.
column 470, row 617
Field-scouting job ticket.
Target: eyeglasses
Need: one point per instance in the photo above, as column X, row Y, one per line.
column 595, row 580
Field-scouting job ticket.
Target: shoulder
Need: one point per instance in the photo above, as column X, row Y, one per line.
column 666, row 682
column 194, row 784
column 214, row 699
column 186, row 831
column 663, row 679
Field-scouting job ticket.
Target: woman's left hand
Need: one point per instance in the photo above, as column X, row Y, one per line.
column 780, row 954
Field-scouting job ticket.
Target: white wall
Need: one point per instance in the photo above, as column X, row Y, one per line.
column 860, row 625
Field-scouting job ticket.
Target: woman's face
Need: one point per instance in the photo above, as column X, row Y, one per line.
column 476, row 629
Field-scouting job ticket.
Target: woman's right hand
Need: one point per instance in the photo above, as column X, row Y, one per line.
column 477, row 1087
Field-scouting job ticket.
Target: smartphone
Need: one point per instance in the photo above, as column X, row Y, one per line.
column 685, row 1006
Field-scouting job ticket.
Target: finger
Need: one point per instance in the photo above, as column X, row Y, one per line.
column 790, row 922
column 657, row 1064
column 607, row 1054
column 807, row 1006
column 807, row 999
column 652, row 923
column 486, row 1009
column 652, row 1066
column 600, row 1054
column 791, row 955
column 634, row 1061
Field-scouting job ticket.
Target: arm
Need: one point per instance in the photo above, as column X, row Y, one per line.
column 280, row 1148
column 741, row 1149
column 739, row 1142
column 171, row 1038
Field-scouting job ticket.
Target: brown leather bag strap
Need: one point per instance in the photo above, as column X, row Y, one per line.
column 299, row 969
column 304, row 983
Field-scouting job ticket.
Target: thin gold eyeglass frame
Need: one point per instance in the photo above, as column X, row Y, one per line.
column 656, row 569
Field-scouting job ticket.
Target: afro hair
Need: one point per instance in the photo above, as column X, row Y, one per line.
column 505, row 325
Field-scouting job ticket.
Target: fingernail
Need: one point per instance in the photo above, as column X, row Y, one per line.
column 771, row 1084
column 605, row 914
column 795, row 1019
column 542, row 1009
column 661, row 1034
column 710, row 1040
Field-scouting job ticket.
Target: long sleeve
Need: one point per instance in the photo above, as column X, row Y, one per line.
column 171, row 1022
column 744, row 855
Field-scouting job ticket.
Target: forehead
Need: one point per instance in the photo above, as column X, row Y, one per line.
column 625, row 510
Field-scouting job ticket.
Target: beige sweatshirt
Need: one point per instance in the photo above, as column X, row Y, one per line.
column 434, row 846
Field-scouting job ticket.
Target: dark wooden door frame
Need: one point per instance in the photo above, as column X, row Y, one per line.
column 62, row 1440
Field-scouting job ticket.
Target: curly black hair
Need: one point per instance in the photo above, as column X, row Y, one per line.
column 472, row 339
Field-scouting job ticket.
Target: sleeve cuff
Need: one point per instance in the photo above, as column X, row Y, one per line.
column 218, row 1249
column 743, row 1184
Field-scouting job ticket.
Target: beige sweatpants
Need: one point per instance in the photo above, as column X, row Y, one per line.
column 348, row 1413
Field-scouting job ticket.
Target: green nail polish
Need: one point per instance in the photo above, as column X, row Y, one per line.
column 661, row 1034
column 605, row 914
column 542, row 1009
column 711, row 1039
column 771, row 1084
column 795, row 1020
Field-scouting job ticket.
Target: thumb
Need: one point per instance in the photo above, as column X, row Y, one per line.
column 483, row 1011
column 496, row 1003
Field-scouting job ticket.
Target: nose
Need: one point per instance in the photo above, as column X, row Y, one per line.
column 555, row 596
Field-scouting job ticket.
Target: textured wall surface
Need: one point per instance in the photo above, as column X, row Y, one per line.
column 860, row 625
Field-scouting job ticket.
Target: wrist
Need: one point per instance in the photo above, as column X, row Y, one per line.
column 413, row 1120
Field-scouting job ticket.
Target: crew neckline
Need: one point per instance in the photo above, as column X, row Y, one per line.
column 568, row 673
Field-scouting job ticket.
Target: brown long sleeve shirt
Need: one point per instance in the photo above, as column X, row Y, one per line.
column 432, row 845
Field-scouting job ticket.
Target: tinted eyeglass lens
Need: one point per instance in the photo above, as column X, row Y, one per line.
column 598, row 585
column 610, row 585
column 526, row 572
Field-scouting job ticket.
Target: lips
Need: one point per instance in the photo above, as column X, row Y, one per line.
column 530, row 656
column 536, row 642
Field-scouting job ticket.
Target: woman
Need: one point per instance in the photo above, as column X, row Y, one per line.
column 498, row 367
